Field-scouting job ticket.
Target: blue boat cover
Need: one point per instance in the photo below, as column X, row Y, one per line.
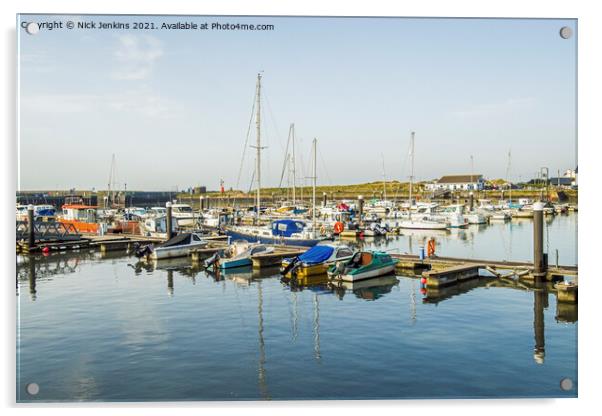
column 286, row 228
column 316, row 254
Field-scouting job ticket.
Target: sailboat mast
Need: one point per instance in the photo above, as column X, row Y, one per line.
column 384, row 178
column 313, row 211
column 293, row 165
column 412, row 171
column 508, row 173
column 258, row 123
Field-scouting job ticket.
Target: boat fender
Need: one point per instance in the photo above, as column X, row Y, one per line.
column 339, row 227
column 431, row 247
column 322, row 230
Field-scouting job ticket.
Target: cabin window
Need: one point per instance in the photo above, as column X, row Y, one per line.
column 281, row 227
column 196, row 237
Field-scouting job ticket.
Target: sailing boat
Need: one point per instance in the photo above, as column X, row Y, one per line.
column 283, row 231
column 422, row 222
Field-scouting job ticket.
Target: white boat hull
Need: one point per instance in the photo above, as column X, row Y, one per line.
column 422, row 225
column 171, row 252
column 367, row 275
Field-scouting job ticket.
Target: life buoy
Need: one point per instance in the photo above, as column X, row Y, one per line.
column 339, row 227
column 430, row 248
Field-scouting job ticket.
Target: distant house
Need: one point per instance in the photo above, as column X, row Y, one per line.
column 457, row 182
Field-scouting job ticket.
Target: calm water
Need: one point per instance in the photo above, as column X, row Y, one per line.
column 107, row 328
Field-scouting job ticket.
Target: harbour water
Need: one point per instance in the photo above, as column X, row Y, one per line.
column 95, row 326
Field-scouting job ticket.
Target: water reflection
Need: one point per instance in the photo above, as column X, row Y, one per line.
column 540, row 302
column 541, row 291
column 312, row 321
column 369, row 289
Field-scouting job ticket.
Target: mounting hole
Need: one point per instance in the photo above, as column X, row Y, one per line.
column 32, row 28
column 566, row 384
column 566, row 32
column 33, row 389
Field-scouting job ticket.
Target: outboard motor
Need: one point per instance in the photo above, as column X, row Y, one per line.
column 212, row 260
column 294, row 264
column 142, row 251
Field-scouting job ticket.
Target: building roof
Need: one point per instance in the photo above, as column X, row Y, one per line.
column 561, row 181
column 460, row 178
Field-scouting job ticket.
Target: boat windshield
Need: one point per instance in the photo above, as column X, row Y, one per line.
column 182, row 209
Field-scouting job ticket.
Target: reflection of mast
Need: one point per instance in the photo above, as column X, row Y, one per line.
column 294, row 316
column 32, row 279
column 413, row 303
column 539, row 301
column 261, row 373
column 316, row 327
column 170, row 283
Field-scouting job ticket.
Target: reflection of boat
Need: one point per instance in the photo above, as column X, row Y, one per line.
column 363, row 265
column 316, row 260
column 371, row 289
column 179, row 246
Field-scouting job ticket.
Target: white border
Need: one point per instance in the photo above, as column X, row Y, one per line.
column 589, row 129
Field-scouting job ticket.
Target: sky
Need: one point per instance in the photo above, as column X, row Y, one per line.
column 174, row 106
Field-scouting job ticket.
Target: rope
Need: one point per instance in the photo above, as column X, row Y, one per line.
column 244, row 149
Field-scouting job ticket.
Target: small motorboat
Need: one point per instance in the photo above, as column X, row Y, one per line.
column 424, row 224
column 179, row 246
column 375, row 230
column 240, row 254
column 363, row 265
column 315, row 261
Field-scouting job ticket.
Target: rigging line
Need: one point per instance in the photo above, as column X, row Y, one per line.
column 252, row 179
column 276, row 129
column 403, row 169
column 244, row 149
column 285, row 163
column 324, row 166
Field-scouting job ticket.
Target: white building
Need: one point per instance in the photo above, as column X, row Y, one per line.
column 457, row 182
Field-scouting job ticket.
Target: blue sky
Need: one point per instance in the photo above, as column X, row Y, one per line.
column 174, row 106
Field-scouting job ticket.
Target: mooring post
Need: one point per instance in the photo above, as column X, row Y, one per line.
column 323, row 199
column 539, row 266
column 202, row 201
column 31, row 238
column 360, row 204
column 471, row 199
column 168, row 220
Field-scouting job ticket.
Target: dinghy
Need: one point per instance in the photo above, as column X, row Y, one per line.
column 363, row 265
column 242, row 255
column 179, row 246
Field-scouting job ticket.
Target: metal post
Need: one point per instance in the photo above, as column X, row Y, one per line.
column 539, row 268
column 31, row 240
column 471, row 198
column 168, row 220
column 360, row 203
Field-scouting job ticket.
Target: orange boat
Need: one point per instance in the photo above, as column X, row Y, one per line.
column 82, row 217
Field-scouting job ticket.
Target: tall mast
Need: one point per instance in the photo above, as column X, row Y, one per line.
column 384, row 178
column 412, row 171
column 110, row 180
column 508, row 173
column 258, row 123
column 313, row 211
column 293, row 165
